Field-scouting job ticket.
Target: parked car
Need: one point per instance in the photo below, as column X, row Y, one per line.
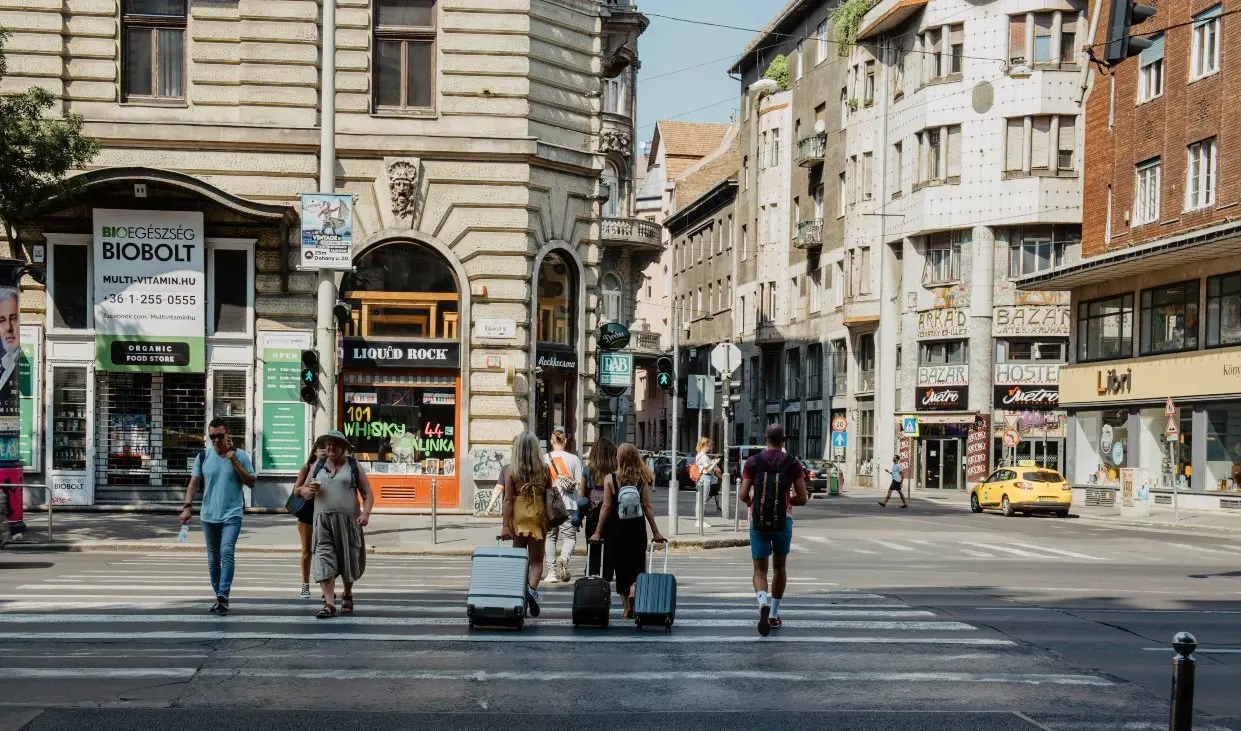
column 1025, row 490
column 663, row 470
column 818, row 472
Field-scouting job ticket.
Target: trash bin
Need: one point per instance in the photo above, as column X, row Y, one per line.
column 833, row 484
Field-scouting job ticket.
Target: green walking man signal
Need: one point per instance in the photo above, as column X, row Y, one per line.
column 663, row 377
column 310, row 377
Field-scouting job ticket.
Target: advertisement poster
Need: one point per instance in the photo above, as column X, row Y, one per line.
column 327, row 231
column 977, row 450
column 150, row 306
column 282, row 437
column 31, row 387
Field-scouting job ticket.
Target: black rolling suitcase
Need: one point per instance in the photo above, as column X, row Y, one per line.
column 592, row 596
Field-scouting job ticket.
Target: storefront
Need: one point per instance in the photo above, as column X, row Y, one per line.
column 400, row 397
column 1026, row 400
column 1118, row 419
column 556, row 359
column 942, row 402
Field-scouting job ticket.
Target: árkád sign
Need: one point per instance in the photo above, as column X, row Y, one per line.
column 953, row 322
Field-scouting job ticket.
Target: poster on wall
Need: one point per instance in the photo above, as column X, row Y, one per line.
column 977, row 450
column 327, row 231
column 150, row 305
column 282, row 434
column 31, row 388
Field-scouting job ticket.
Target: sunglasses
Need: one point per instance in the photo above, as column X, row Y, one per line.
column 217, row 437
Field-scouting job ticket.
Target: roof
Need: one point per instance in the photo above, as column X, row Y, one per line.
column 686, row 143
column 765, row 36
column 723, row 163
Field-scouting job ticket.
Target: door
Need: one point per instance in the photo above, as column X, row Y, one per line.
column 942, row 464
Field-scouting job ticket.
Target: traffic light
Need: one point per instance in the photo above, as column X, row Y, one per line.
column 663, row 378
column 310, row 376
column 1119, row 44
column 343, row 314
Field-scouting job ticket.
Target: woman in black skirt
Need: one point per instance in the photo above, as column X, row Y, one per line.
column 622, row 524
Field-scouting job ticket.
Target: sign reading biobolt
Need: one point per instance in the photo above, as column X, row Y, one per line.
column 149, row 291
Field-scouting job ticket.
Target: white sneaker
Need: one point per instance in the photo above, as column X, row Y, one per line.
column 305, row 591
column 551, row 579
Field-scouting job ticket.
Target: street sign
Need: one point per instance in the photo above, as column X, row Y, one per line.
column 1011, row 421
column 1169, row 408
column 616, row 370
column 726, row 357
column 840, row 424
column 700, row 393
column 1012, row 438
column 840, row 439
column 909, row 426
column 1172, row 430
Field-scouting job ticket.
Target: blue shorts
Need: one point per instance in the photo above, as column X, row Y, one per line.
column 765, row 543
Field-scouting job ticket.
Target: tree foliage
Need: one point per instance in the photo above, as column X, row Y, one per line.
column 846, row 21
column 36, row 149
column 778, row 71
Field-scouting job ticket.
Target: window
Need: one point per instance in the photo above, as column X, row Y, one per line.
column 755, row 380
column 931, row 51
column 868, row 176
column 838, row 284
column 1200, row 183
column 616, row 94
column 898, row 170
column 611, row 186
column 1105, row 328
column 816, row 290
column 1042, row 37
column 818, row 203
column 865, row 355
column 864, row 271
column 814, row 371
column 1150, row 71
column 865, row 431
column 1068, row 39
column 710, row 299
column 1146, row 197
column 1039, row 135
column 954, row 151
column 745, row 242
column 898, row 72
column 799, row 61
column 814, row 434
column 1034, row 249
column 1170, row 318
column 868, row 91
column 1224, row 310
column 844, row 108
column 1066, row 149
column 956, row 48
column 70, row 278
column 611, row 299
column 820, row 35
column 844, row 196
column 1031, row 351
column 745, row 172
column 792, row 431
column 944, row 352
column 943, row 257
column 1204, row 53
column 771, row 378
column 404, row 54
column 153, row 49
column 792, row 375
column 1017, row 40
column 231, row 294
column 1040, row 143
column 839, row 364
column 930, row 167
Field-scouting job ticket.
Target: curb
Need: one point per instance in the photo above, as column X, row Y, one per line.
column 1162, row 527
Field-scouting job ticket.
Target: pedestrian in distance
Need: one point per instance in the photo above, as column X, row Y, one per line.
column 707, row 470
column 335, row 483
column 897, row 470
column 566, row 475
column 221, row 471
column 306, row 524
column 600, row 464
column 622, row 523
column 525, row 510
column 772, row 482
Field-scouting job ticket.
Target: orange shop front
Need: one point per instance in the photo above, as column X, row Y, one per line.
column 400, row 407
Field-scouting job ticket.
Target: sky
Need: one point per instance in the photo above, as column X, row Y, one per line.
column 670, row 46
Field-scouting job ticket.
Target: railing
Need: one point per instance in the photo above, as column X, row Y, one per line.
column 809, row 233
column 645, row 340
column 810, row 150
column 632, row 231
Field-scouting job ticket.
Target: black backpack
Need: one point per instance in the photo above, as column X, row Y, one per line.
column 772, row 484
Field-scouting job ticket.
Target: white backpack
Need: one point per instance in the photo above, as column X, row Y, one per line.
column 628, row 502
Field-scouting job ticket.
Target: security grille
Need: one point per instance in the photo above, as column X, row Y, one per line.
column 1230, row 503
column 1100, row 498
column 228, row 402
column 1163, row 499
column 149, row 429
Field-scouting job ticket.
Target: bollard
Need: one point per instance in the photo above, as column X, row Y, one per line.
column 737, row 511
column 48, row 489
column 1181, row 717
column 435, row 534
column 702, row 507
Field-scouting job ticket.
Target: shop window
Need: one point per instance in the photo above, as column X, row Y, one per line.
column 556, row 297
column 611, row 298
column 149, row 428
column 814, row 434
column 1224, row 310
column 153, row 50
column 408, row 426
column 1105, row 436
column 69, row 415
column 1168, row 463
column 1170, row 318
column 1223, row 465
column 228, row 402
column 70, row 287
column 231, row 287
column 944, row 352
column 402, row 290
column 404, row 54
column 865, row 432
column 1105, row 328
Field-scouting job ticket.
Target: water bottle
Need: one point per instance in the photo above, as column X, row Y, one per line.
column 185, row 532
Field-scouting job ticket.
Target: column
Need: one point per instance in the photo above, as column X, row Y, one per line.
column 982, row 347
column 945, row 54
column 1027, row 145
column 1030, row 40
column 943, row 153
column 885, row 352
column 1053, row 142
column 1057, row 25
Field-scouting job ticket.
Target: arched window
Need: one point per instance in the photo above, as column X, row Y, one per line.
column 402, row 289
column 611, row 182
column 557, row 297
column 611, row 298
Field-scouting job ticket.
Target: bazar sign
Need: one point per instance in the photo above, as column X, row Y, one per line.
column 1010, row 320
column 1027, row 397
column 1027, row 373
column 953, row 322
column 953, row 375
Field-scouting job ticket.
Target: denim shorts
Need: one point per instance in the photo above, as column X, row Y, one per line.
column 765, row 543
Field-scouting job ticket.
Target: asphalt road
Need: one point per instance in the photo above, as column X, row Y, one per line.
column 927, row 618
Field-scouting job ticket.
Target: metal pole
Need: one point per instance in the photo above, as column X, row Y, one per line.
column 674, row 484
column 699, row 508
column 48, row 490
column 1181, row 716
column 726, row 483
column 435, row 532
column 325, row 335
column 1176, row 506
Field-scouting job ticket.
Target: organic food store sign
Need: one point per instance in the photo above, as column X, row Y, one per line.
column 149, row 291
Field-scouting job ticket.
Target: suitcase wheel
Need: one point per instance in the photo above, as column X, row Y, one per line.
column 668, row 624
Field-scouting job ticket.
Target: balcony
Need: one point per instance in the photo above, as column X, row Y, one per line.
column 767, row 332
column 810, row 150
column 633, row 233
column 645, row 343
column 861, row 312
column 622, row 24
column 809, row 234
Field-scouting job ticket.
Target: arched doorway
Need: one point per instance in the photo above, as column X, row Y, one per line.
column 556, row 346
column 400, row 391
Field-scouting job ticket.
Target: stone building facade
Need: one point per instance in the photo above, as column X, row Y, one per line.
column 472, row 139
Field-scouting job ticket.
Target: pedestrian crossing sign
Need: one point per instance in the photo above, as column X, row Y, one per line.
column 909, row 426
column 840, row 439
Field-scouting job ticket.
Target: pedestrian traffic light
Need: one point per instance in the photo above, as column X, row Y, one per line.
column 1120, row 45
column 663, row 378
column 310, row 376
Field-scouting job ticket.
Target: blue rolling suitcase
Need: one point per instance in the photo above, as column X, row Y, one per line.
column 497, row 595
column 655, row 597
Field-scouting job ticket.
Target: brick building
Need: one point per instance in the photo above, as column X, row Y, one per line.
column 1156, row 295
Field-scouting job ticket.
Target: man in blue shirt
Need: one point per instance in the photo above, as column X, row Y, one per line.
column 222, row 471
column 896, row 472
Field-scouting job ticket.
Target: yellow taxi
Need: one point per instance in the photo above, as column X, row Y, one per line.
column 1025, row 490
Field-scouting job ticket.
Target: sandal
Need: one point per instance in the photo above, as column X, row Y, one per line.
column 327, row 612
column 346, row 605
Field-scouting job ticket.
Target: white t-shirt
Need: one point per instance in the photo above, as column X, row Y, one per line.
column 703, row 460
column 570, row 461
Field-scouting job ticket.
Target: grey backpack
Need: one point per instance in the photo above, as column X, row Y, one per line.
column 628, row 501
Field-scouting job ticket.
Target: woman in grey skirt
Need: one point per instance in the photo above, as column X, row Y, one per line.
column 339, row 543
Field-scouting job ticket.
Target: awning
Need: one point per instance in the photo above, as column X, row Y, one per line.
column 889, row 18
column 861, row 320
column 960, row 417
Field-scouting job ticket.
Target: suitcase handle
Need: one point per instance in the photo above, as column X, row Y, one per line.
column 650, row 559
column 588, row 574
